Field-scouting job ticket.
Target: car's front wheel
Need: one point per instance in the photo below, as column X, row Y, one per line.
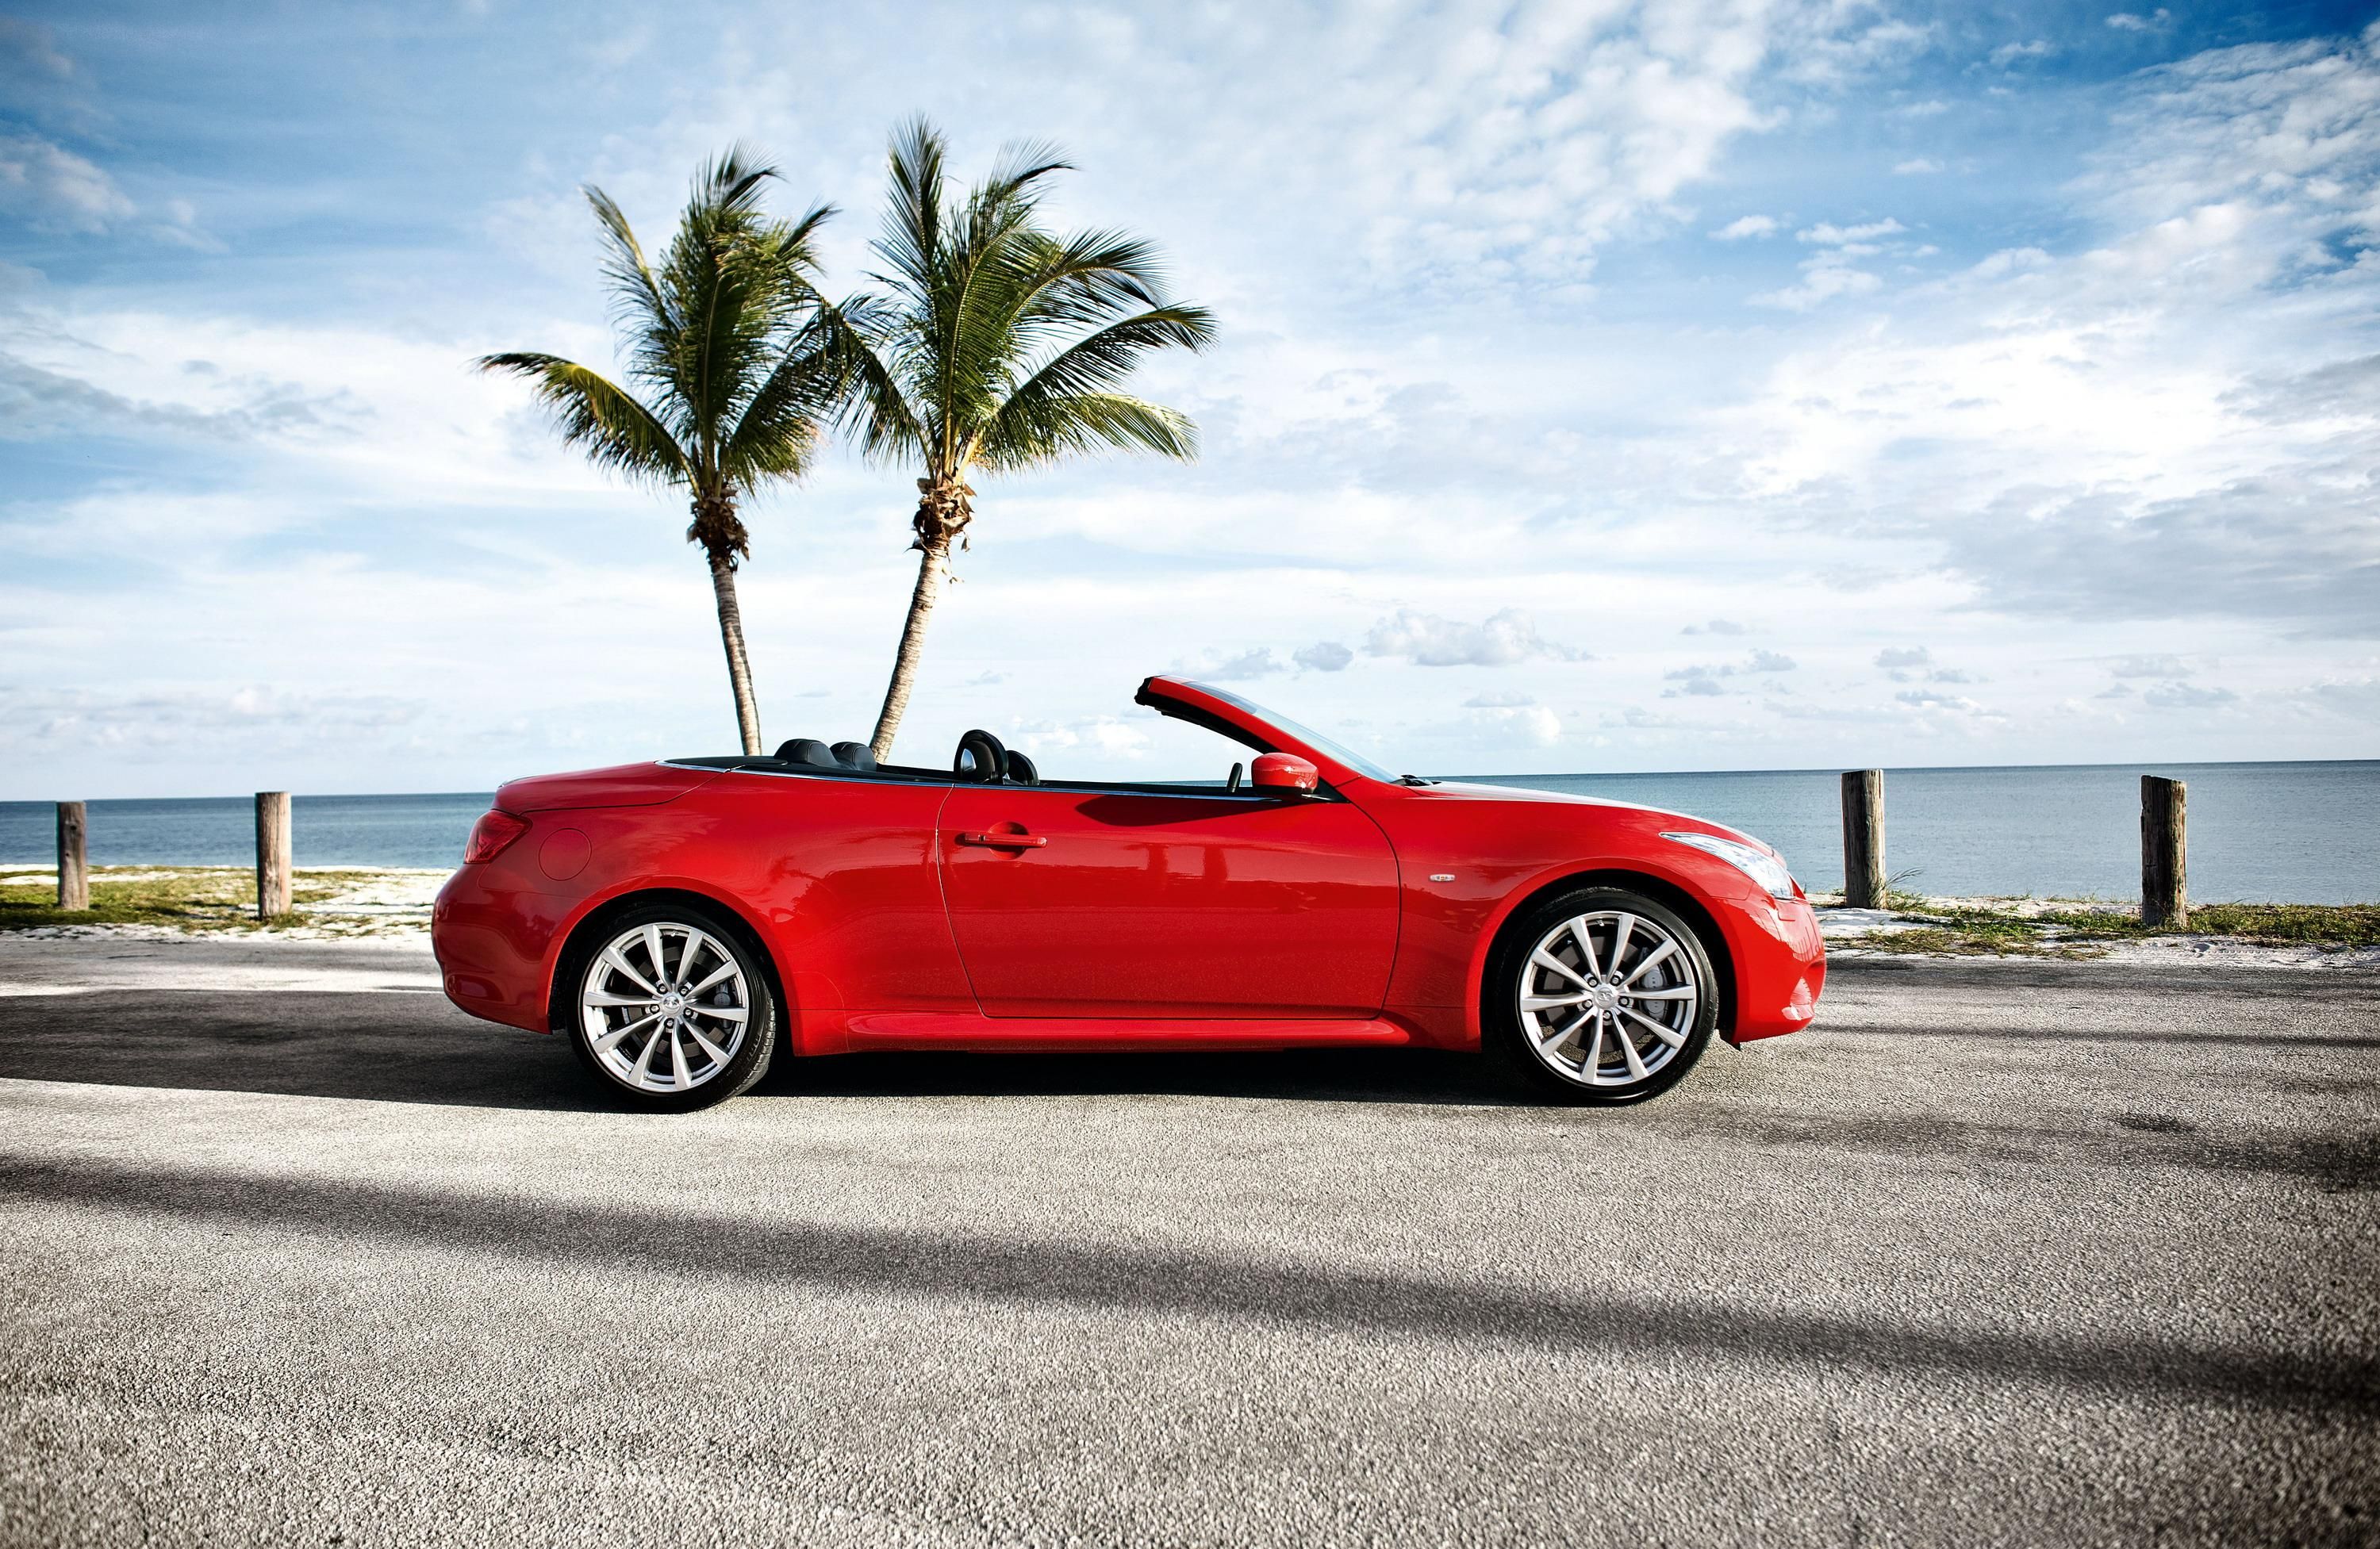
column 1603, row 995
column 671, row 1009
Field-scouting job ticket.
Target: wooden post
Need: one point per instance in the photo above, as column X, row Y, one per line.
column 1864, row 838
column 74, row 858
column 2165, row 853
column 272, row 854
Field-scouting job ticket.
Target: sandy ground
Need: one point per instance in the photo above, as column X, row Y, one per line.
column 1998, row 1252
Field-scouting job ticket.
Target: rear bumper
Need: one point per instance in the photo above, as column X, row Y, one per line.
column 1780, row 967
column 492, row 940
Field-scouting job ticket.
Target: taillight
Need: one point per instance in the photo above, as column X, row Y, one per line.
column 490, row 834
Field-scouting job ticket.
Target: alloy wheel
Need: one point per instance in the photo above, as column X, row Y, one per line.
column 663, row 1007
column 1608, row 998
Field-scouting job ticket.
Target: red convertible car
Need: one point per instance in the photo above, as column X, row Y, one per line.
column 681, row 920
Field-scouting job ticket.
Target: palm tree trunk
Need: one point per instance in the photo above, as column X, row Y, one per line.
column 933, row 558
column 731, row 634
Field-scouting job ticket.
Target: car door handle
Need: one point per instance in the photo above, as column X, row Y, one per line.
column 1005, row 841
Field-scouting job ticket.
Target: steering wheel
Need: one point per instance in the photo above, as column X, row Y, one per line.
column 980, row 759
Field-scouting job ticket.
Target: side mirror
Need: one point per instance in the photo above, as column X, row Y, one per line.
column 1282, row 772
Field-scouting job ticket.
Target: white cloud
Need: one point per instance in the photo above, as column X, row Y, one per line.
column 1102, row 735
column 1324, row 656
column 1824, row 277
column 2188, row 696
column 1510, row 726
column 2358, row 698
column 35, row 48
column 1830, row 234
column 1747, row 225
column 56, row 189
column 1916, row 166
column 2133, row 21
column 1254, row 662
column 1934, row 700
column 2008, row 54
column 2162, row 664
column 1427, row 640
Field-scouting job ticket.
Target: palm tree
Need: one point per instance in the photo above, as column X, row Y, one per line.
column 727, row 339
column 999, row 346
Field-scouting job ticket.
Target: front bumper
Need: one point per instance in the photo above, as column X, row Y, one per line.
column 1781, row 968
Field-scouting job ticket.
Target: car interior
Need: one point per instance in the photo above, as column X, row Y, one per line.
column 980, row 759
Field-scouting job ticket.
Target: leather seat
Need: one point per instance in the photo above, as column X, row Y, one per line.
column 856, row 756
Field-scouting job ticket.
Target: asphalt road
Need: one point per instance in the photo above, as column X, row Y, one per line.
column 1998, row 1253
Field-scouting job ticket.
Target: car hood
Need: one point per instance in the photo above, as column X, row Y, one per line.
column 1461, row 790
column 620, row 785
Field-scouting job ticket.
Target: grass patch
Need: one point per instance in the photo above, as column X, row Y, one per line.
column 181, row 898
column 2269, row 924
column 1982, row 933
column 1969, row 930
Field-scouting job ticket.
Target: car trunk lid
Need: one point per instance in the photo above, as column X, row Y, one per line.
column 620, row 785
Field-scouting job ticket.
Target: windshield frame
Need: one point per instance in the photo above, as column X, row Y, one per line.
column 1153, row 693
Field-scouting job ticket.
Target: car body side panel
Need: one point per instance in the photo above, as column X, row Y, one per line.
column 1153, row 905
column 1498, row 850
column 836, row 877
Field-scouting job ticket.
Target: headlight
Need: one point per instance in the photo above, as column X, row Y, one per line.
column 1758, row 864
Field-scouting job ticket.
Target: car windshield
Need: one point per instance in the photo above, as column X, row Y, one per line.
column 1315, row 740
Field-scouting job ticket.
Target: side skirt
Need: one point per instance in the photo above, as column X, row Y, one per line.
column 940, row 1029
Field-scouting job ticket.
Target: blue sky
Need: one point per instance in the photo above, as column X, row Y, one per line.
column 1601, row 387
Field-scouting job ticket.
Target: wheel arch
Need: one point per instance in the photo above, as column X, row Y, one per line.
column 596, row 918
column 1660, row 889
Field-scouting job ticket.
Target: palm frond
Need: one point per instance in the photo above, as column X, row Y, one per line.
column 1023, row 163
column 1100, row 359
column 737, row 281
column 640, row 308
column 911, row 241
column 599, row 417
column 778, row 430
column 731, row 181
column 1089, row 277
column 1060, row 427
column 875, row 407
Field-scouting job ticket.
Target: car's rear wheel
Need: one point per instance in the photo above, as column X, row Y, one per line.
column 1603, row 996
column 670, row 1008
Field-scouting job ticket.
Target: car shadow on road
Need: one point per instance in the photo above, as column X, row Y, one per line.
column 377, row 1048
column 409, row 1048
column 1351, row 1075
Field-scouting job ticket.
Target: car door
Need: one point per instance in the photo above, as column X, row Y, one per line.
column 1155, row 904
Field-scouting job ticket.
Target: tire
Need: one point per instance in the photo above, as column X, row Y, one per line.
column 672, row 1067
column 1539, row 959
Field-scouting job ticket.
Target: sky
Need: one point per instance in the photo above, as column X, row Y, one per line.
column 1754, row 384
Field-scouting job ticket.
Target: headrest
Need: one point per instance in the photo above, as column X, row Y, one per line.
column 856, row 756
column 807, row 751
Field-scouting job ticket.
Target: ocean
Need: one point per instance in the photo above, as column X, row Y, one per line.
column 2296, row 833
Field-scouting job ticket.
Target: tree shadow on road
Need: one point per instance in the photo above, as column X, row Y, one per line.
column 1161, row 1283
